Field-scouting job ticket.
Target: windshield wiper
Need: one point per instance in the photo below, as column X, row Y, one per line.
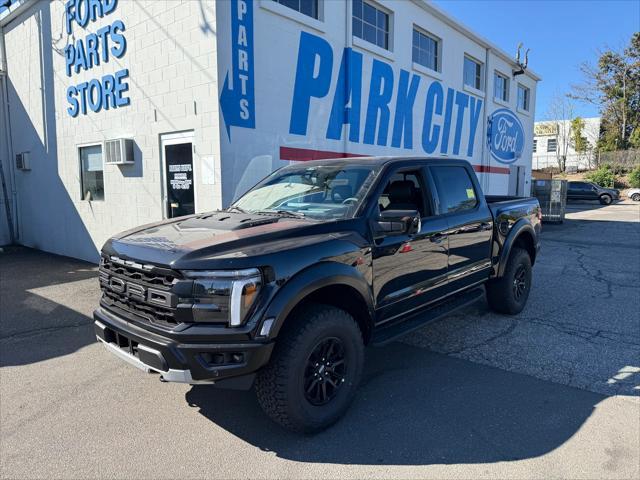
column 284, row 212
column 237, row 209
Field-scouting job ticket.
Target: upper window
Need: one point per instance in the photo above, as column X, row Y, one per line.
column 552, row 145
column 455, row 189
column 472, row 73
column 370, row 24
column 307, row 7
column 501, row 87
column 91, row 175
column 524, row 95
column 535, row 145
column 426, row 50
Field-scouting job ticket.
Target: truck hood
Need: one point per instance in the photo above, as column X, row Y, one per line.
column 210, row 235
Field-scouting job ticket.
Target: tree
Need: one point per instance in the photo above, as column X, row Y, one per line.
column 561, row 110
column 614, row 86
column 579, row 141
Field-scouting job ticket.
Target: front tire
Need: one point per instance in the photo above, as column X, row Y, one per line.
column 605, row 199
column 315, row 369
column 635, row 197
column 509, row 293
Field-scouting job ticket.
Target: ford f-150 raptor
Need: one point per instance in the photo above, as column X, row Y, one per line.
column 283, row 290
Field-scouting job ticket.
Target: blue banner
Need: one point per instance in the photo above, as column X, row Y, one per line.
column 237, row 101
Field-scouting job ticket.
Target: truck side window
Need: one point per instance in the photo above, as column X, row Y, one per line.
column 455, row 189
column 404, row 191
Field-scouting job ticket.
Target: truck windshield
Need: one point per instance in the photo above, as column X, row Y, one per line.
column 323, row 192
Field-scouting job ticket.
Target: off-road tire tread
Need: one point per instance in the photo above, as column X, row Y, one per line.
column 270, row 386
column 499, row 290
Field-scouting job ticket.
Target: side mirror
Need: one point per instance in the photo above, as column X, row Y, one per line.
column 398, row 222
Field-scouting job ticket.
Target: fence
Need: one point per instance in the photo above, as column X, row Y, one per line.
column 621, row 160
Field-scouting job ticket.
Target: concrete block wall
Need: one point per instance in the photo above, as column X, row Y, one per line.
column 171, row 58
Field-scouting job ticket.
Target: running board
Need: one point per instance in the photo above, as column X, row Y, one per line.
column 386, row 334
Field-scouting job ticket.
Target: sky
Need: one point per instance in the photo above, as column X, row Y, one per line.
column 560, row 33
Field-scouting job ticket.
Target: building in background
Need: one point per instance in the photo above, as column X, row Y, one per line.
column 554, row 145
column 118, row 113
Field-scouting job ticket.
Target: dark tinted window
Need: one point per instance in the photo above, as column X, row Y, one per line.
column 455, row 189
column 404, row 192
column 579, row 186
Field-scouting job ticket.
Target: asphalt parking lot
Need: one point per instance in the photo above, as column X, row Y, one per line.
column 553, row 392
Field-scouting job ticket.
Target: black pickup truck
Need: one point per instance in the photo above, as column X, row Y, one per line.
column 284, row 289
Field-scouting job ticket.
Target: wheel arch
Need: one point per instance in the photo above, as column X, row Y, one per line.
column 522, row 235
column 330, row 283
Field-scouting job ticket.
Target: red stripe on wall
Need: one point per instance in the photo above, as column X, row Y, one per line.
column 305, row 154
column 487, row 169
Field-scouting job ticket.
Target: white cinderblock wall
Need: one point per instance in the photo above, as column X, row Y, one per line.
column 171, row 57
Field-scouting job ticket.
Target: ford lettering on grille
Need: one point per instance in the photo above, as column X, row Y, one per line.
column 137, row 291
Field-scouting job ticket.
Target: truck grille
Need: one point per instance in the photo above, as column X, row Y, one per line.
column 139, row 290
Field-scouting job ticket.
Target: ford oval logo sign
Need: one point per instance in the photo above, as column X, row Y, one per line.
column 506, row 136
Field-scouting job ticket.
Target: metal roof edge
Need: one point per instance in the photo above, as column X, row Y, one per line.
column 13, row 11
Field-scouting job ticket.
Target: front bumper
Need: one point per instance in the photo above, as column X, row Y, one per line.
column 194, row 362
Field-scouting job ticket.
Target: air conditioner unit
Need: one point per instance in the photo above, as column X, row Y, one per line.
column 22, row 161
column 118, row 151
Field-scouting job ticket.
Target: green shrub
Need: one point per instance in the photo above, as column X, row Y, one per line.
column 603, row 176
column 634, row 177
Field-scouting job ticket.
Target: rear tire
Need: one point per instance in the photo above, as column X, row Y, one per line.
column 635, row 197
column 509, row 293
column 605, row 199
column 320, row 350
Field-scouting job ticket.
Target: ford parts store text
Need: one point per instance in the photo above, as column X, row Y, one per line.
column 115, row 113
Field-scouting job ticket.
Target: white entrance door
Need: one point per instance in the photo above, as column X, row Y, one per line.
column 178, row 181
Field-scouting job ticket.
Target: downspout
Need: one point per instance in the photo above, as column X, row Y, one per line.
column 9, row 149
column 348, row 14
column 485, row 160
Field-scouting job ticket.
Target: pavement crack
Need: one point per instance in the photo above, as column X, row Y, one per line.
column 491, row 339
column 38, row 331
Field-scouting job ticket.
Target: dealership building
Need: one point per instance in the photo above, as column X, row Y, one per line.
column 117, row 113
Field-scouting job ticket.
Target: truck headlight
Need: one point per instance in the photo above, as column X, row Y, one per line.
column 225, row 294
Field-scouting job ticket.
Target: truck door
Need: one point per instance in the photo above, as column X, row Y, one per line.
column 469, row 225
column 408, row 270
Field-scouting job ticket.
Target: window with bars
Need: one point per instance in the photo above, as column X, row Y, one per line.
column 501, row 87
column 370, row 23
column 472, row 73
column 307, row 7
column 535, row 145
column 552, row 145
column 426, row 50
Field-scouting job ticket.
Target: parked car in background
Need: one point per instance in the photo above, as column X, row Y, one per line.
column 591, row 191
column 634, row 194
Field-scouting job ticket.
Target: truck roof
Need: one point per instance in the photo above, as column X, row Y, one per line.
column 380, row 160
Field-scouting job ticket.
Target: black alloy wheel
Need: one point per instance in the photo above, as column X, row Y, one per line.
column 325, row 371
column 520, row 282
